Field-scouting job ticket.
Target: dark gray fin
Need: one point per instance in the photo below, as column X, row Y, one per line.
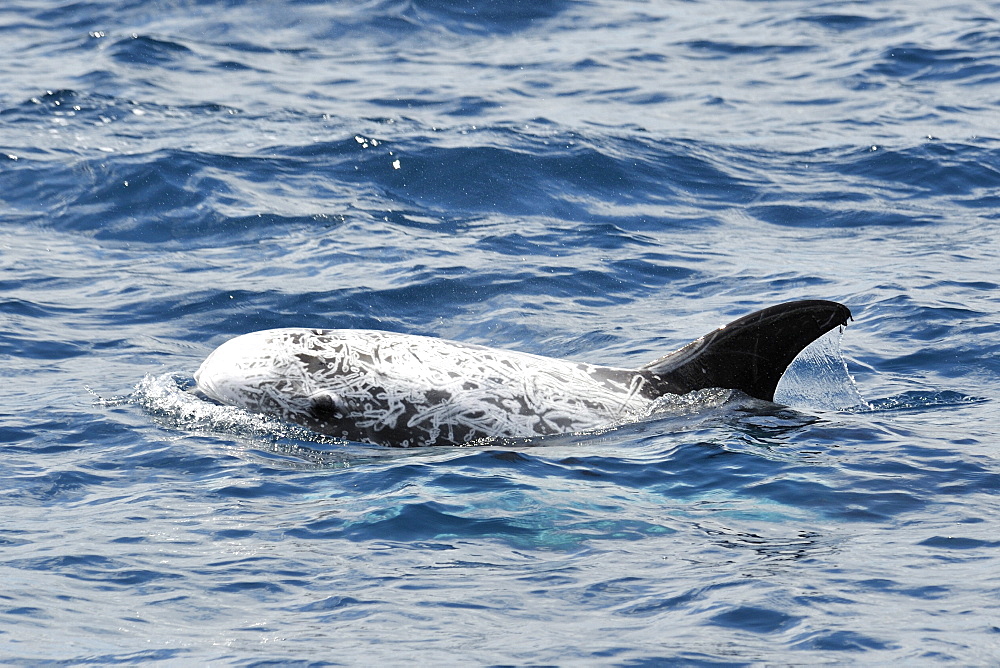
column 748, row 354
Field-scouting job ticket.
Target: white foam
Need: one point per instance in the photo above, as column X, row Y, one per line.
column 168, row 398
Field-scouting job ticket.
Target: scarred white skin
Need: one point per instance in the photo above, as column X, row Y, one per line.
column 406, row 390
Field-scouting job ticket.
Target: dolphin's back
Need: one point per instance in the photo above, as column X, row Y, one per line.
column 406, row 390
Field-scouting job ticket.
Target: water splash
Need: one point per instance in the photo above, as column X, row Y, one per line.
column 818, row 378
column 696, row 402
column 169, row 398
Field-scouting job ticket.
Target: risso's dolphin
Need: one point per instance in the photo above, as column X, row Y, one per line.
column 405, row 390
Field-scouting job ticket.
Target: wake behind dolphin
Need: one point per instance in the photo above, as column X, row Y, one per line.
column 405, row 390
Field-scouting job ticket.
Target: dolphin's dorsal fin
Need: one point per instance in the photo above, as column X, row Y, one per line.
column 748, row 354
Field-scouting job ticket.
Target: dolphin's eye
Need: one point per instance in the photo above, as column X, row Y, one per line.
column 324, row 408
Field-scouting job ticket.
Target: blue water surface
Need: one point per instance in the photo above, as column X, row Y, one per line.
column 600, row 181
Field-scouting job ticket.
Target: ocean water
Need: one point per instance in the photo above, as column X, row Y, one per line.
column 600, row 181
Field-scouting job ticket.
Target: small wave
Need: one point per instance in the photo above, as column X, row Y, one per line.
column 145, row 51
column 918, row 399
